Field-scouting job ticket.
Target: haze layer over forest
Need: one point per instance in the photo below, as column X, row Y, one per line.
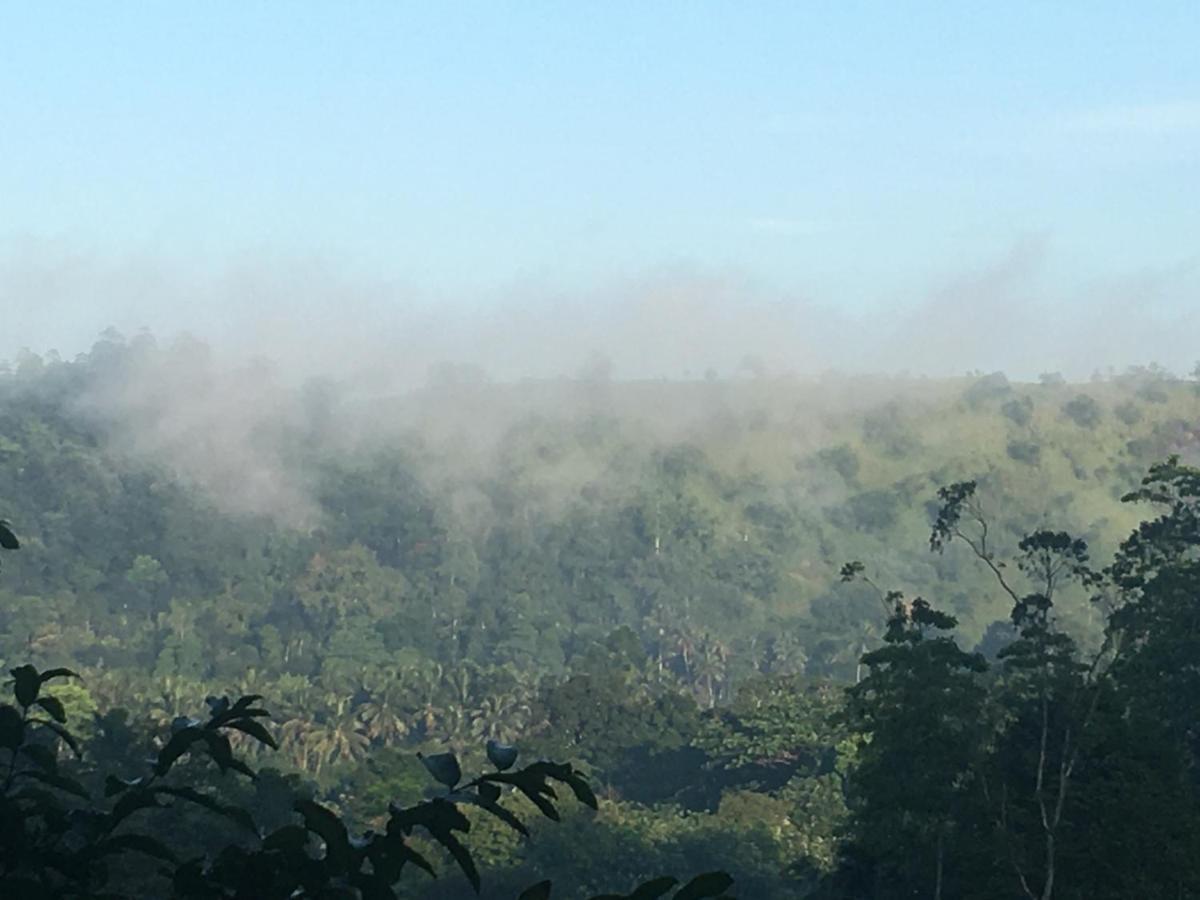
column 314, row 317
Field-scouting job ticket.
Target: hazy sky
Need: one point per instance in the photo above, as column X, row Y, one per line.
column 854, row 156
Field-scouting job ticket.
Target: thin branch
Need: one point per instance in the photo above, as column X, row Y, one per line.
column 980, row 550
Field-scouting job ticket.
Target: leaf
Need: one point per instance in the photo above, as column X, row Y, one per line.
column 530, row 781
column 68, row 738
column 238, row 766
column 53, row 706
column 547, row 808
column 710, row 884
column 653, row 889
column 62, row 782
column 502, row 756
column 412, row 856
column 181, row 741
column 289, row 837
column 219, row 748
column 47, row 804
column 444, row 767
column 140, row 843
column 581, row 789
column 325, row 824
column 57, row 673
column 255, row 729
column 229, row 811
column 539, row 891
column 114, row 785
column 25, row 684
column 488, row 792
column 441, row 819
column 8, row 540
column 12, row 727
column 461, row 855
column 504, row 815
column 130, row 803
column 218, row 706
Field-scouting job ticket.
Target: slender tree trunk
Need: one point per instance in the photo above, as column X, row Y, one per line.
column 1048, row 887
column 941, row 856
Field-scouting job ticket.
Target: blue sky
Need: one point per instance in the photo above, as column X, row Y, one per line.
column 853, row 154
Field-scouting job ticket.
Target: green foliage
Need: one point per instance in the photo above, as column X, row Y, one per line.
column 1128, row 412
column 872, row 510
column 887, row 429
column 843, row 460
column 8, row 540
column 49, row 847
column 1028, row 452
column 966, row 786
column 986, row 389
column 1083, row 410
column 1019, row 410
column 55, row 847
column 666, row 611
column 919, row 702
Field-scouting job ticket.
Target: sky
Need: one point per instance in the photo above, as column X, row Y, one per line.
column 202, row 166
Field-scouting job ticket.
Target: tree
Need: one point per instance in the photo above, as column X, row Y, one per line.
column 918, row 712
column 1019, row 410
column 1049, row 697
column 1083, row 410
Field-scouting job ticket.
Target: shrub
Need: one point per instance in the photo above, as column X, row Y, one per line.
column 1083, row 410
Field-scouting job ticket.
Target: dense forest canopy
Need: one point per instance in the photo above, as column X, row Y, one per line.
column 648, row 579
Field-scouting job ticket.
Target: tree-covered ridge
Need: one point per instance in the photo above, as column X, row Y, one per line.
column 957, row 778
column 665, row 609
column 719, row 546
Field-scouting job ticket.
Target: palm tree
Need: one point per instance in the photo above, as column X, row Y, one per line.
column 339, row 738
column 787, row 654
column 383, row 715
column 459, row 682
column 343, row 741
column 454, row 729
column 712, row 657
column 656, row 622
column 295, row 740
column 503, row 717
column 429, row 709
column 685, row 649
column 292, row 695
column 851, row 646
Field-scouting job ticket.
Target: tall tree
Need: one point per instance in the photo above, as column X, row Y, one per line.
column 918, row 712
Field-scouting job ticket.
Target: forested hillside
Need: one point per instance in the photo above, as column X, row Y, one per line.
column 648, row 579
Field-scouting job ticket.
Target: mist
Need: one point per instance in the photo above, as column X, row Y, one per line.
column 233, row 365
column 316, row 318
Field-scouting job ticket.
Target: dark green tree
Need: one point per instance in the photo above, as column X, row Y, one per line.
column 918, row 713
